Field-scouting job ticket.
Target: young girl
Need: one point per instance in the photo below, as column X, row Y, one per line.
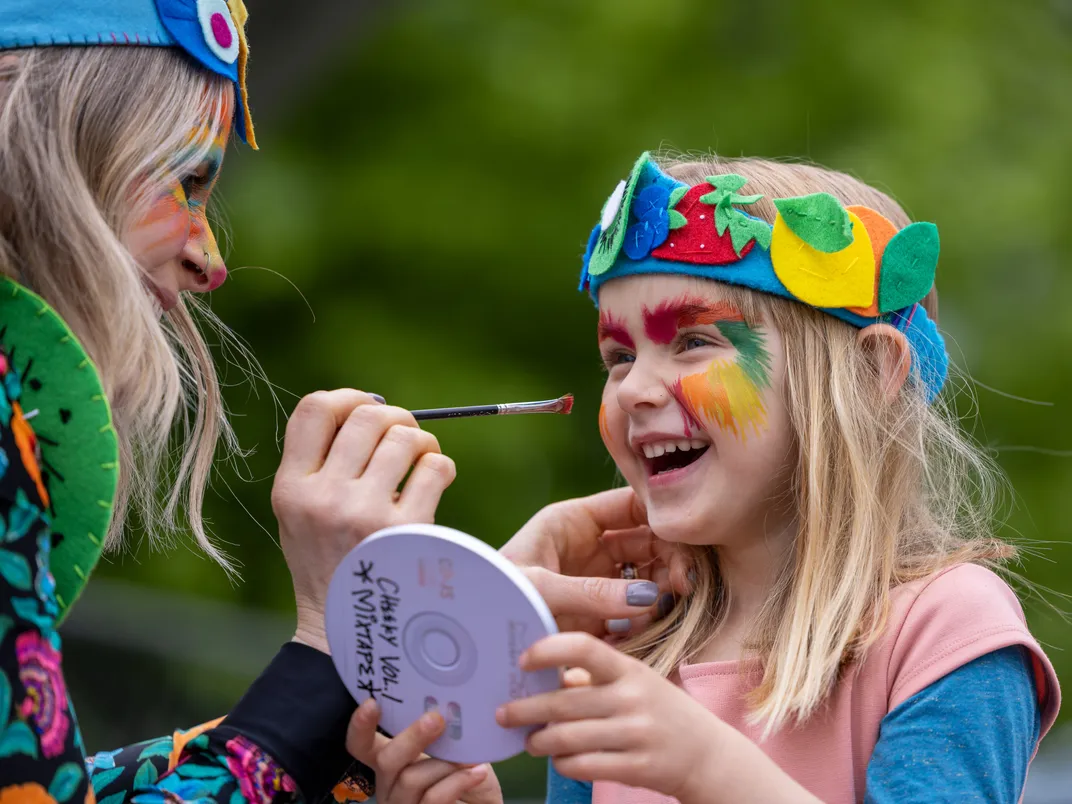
column 773, row 368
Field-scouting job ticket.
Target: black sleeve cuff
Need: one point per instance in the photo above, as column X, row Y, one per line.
column 297, row 711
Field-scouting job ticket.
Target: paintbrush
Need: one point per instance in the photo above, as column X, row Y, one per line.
column 564, row 404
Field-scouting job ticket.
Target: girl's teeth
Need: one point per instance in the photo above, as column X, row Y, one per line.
column 684, row 446
column 670, row 447
column 657, row 450
column 697, row 444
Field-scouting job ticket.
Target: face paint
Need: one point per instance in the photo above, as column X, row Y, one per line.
column 662, row 324
column 730, row 392
column 604, row 429
column 613, row 329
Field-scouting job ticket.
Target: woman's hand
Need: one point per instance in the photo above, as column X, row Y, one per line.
column 404, row 775
column 616, row 720
column 572, row 550
column 344, row 457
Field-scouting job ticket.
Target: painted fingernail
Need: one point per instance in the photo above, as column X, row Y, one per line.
column 379, row 399
column 642, row 593
column 666, row 605
column 619, row 626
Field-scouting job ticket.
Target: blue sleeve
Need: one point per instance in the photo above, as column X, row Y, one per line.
column 561, row 790
column 967, row 737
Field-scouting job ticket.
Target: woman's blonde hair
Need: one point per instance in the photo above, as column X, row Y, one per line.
column 89, row 137
column 884, row 491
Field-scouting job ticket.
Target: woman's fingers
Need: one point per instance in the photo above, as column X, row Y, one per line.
column 365, row 431
column 313, row 425
column 406, row 747
column 597, row 598
column 431, row 476
column 362, row 740
column 395, row 455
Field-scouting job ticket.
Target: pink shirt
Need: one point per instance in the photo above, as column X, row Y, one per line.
column 936, row 625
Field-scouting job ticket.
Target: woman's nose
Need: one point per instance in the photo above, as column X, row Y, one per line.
column 202, row 260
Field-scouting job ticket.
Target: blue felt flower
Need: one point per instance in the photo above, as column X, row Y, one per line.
column 638, row 239
column 651, row 209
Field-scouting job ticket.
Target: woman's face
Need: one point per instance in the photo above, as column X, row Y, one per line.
column 693, row 411
column 173, row 243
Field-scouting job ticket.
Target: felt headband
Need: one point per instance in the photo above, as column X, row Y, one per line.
column 212, row 32
column 849, row 262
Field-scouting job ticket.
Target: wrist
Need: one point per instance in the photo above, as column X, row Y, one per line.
column 311, row 630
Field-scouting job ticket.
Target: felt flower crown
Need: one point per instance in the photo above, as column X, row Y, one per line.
column 212, row 32
column 849, row 262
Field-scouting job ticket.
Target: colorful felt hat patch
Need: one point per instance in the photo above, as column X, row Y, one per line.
column 850, row 262
column 64, row 403
column 212, row 32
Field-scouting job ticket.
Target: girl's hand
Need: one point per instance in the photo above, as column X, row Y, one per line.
column 617, row 720
column 404, row 775
column 571, row 552
column 344, row 457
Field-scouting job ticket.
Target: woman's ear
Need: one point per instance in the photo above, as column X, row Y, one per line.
column 888, row 349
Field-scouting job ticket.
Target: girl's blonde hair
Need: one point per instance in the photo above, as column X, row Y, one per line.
column 89, row 137
column 884, row 492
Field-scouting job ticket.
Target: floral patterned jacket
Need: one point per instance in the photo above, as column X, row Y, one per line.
column 42, row 756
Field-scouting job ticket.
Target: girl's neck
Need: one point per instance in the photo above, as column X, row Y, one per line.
column 749, row 570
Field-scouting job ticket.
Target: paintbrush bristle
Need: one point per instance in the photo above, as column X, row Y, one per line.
column 565, row 405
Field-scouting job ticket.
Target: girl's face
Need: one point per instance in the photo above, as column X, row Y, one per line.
column 174, row 243
column 693, row 411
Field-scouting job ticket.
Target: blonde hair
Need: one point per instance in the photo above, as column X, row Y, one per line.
column 88, row 139
column 884, row 492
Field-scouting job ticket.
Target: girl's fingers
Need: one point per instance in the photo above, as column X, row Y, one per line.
column 313, row 425
column 395, row 455
column 617, row 765
column 362, row 740
column 418, row 779
column 582, row 737
column 406, row 748
column 576, row 677
column 575, row 703
column 431, row 476
column 576, row 650
column 454, row 786
column 359, row 437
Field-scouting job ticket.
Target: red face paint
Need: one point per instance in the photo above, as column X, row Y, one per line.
column 688, row 414
column 612, row 328
column 662, row 324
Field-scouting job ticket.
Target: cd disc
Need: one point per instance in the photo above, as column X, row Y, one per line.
column 423, row 617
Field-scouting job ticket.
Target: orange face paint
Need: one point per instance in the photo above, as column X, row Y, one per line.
column 604, row 430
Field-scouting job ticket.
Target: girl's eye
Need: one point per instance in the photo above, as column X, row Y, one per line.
column 695, row 342
column 614, row 359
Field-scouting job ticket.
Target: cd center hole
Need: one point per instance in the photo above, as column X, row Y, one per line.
column 440, row 648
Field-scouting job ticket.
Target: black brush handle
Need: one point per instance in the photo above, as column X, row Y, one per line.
column 455, row 413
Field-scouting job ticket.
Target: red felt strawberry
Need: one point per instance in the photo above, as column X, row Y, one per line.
column 694, row 236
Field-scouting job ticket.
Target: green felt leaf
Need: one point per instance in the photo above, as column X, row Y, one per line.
column 722, row 219
column 817, row 219
column 760, row 231
column 745, row 199
column 676, row 195
column 908, row 266
column 18, row 738
column 729, row 183
column 16, row 570
column 105, row 778
column 740, row 235
column 146, row 775
column 610, row 240
column 63, row 385
column 677, row 220
column 5, row 697
column 157, row 748
column 66, row 781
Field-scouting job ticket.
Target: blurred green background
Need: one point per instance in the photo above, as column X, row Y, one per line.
column 428, row 175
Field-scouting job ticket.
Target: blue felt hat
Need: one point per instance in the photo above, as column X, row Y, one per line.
column 212, row 32
column 817, row 253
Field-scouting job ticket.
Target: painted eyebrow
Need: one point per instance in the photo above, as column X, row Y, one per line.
column 662, row 323
column 612, row 328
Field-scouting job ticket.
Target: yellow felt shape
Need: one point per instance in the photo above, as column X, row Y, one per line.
column 843, row 278
column 881, row 231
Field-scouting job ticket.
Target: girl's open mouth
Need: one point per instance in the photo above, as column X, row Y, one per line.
column 662, row 459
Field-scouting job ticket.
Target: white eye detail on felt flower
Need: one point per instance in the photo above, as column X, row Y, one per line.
column 610, row 209
column 219, row 30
